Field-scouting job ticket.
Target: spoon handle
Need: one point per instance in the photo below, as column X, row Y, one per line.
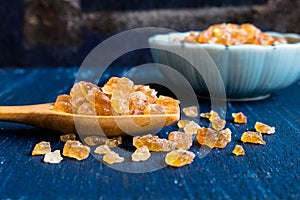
column 40, row 115
column 23, row 114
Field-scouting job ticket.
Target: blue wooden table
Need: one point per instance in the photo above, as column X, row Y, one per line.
column 265, row 172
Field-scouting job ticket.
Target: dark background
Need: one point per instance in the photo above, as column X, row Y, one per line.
column 96, row 5
column 37, row 33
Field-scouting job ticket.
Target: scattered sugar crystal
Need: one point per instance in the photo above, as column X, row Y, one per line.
column 239, row 118
column 114, row 142
column 183, row 140
column 191, row 127
column 213, row 115
column 75, row 149
column 41, row 148
column 191, row 111
column 102, row 149
column 213, row 138
column 66, row 137
column 205, row 115
column 264, row 128
column 53, row 157
column 112, row 157
column 141, row 154
column 179, row 158
column 252, row 137
column 218, row 124
column 182, row 123
column 94, row 140
column 238, row 150
column 153, row 142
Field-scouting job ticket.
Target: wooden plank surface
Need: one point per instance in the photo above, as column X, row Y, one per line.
column 265, row 172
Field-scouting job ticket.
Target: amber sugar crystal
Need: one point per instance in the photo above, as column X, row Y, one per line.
column 210, row 115
column 41, row 148
column 154, row 109
column 150, row 93
column 238, row 150
column 94, row 140
column 63, row 103
column 75, row 149
column 190, row 111
column 66, row 137
column 182, row 123
column 213, row 115
column 120, row 97
column 218, row 123
column 264, row 128
column 113, row 142
column 205, row 115
column 239, row 118
column 252, row 137
column 171, row 105
column 191, row 127
column 153, row 142
column 89, row 99
column 112, row 158
column 179, row 158
column 213, row 138
column 183, row 140
column 137, row 103
column 141, row 154
column 102, row 149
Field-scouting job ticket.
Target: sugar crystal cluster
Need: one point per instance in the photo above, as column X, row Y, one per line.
column 233, row 34
column 119, row 96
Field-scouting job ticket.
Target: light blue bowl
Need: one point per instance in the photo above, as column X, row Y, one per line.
column 247, row 72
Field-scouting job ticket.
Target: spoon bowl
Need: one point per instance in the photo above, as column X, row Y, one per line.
column 44, row 116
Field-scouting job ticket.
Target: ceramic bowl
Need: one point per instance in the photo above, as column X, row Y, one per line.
column 242, row 72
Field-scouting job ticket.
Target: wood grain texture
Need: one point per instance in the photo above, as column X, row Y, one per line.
column 265, row 172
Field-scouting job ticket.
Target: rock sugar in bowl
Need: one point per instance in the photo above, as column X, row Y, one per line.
column 237, row 62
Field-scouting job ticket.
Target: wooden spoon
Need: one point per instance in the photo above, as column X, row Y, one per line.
column 43, row 116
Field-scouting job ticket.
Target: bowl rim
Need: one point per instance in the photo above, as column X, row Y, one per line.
column 157, row 38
